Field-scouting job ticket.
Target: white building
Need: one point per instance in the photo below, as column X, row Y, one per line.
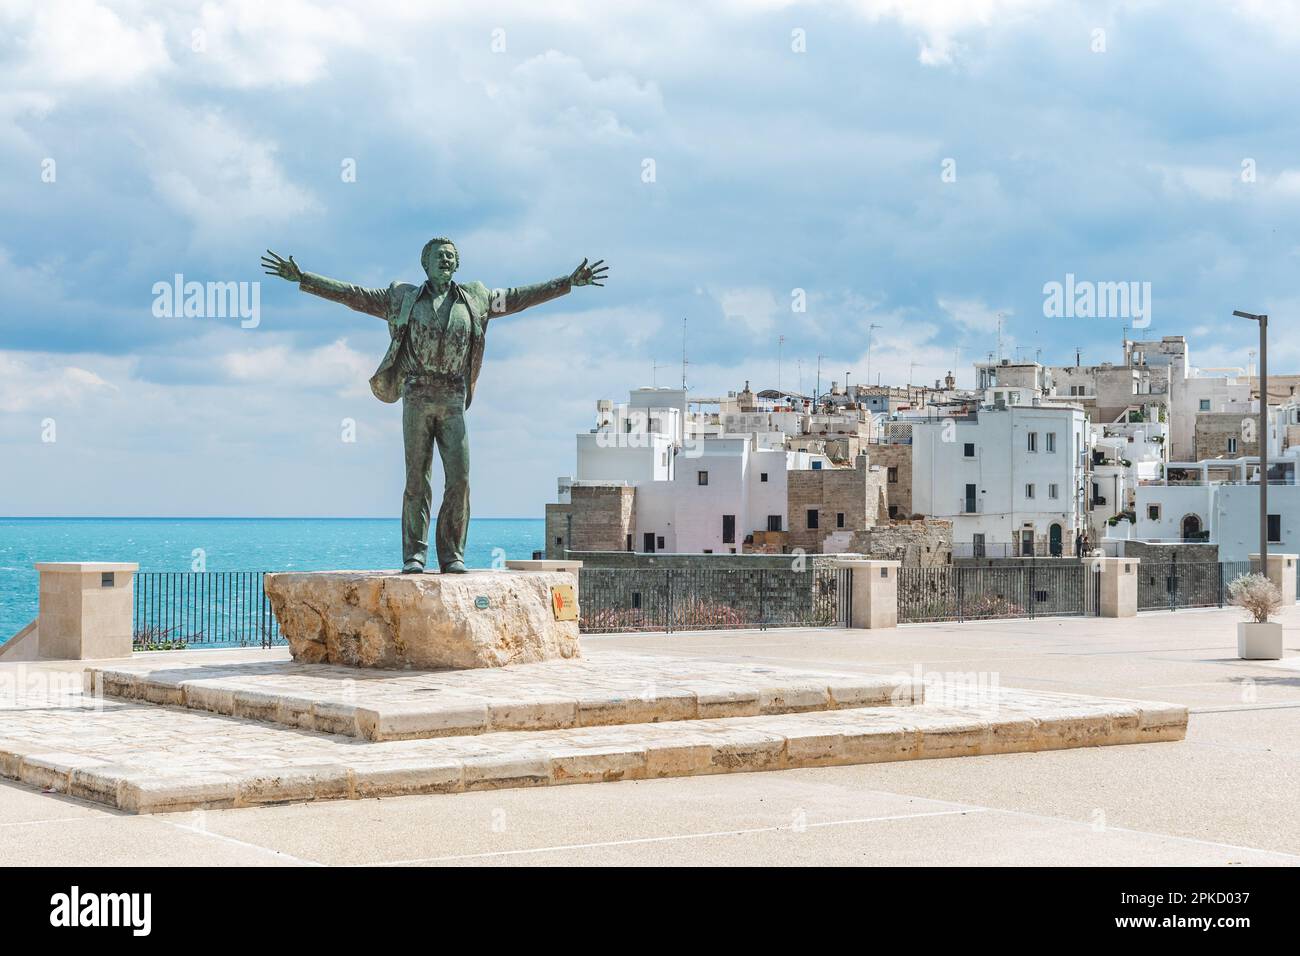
column 1217, row 500
column 1191, row 390
column 704, row 480
column 1010, row 477
column 1124, row 455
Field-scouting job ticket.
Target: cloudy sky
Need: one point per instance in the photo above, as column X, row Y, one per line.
column 922, row 167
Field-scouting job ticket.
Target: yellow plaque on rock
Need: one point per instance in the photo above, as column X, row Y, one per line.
column 564, row 602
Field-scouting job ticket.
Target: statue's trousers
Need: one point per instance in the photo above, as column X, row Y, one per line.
column 434, row 413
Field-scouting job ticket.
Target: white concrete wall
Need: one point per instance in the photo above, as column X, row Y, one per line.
column 613, row 456
column 1176, row 502
column 1236, row 519
column 1000, row 470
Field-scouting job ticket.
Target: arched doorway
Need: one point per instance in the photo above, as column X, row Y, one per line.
column 1191, row 527
column 1054, row 540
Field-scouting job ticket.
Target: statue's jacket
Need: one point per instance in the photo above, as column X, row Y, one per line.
column 395, row 303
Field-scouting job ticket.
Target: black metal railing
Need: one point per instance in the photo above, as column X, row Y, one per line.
column 175, row 609
column 1172, row 584
column 1012, row 549
column 635, row 599
column 973, row 594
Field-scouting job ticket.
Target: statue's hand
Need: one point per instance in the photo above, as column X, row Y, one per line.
column 593, row 274
column 273, row 265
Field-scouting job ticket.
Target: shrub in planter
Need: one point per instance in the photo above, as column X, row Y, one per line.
column 1259, row 639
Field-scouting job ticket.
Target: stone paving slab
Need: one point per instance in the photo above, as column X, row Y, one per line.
column 404, row 705
column 144, row 758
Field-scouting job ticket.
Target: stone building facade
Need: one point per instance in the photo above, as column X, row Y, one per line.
column 896, row 462
column 918, row 544
column 822, row 502
column 596, row 518
column 1223, row 435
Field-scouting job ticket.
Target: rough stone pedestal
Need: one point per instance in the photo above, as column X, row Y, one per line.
column 424, row 621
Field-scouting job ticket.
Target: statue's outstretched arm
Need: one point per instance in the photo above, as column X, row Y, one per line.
column 518, row 298
column 371, row 301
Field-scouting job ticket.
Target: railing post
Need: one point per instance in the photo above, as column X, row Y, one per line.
column 1281, row 570
column 874, row 600
column 1032, row 597
column 85, row 610
column 668, row 586
column 1118, row 586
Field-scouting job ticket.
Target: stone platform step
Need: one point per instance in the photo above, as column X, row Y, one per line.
column 145, row 758
column 602, row 690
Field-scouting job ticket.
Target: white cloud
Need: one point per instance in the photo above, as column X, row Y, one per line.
column 336, row 365
column 81, row 43
column 219, row 177
column 251, row 43
column 973, row 314
column 44, row 383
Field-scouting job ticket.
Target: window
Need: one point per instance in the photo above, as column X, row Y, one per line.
column 970, row 499
column 1033, row 441
column 762, row 476
column 1275, row 528
column 773, row 522
column 812, row 518
column 702, row 477
column 1029, row 490
column 839, row 519
column 1205, row 404
column 968, row 450
column 1153, row 512
column 1051, row 442
column 559, row 541
column 893, row 475
column 1232, row 446
column 893, row 511
column 817, row 465
column 728, row 529
column 1051, row 491
column 660, row 542
column 977, row 545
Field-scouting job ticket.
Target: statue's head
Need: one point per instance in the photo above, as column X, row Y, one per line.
column 440, row 259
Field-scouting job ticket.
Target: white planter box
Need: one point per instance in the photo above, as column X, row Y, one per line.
column 1259, row 642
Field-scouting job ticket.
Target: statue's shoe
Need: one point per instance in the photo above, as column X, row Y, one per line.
column 456, row 567
column 413, row 567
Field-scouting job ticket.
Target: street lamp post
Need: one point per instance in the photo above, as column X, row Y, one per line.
column 1263, row 435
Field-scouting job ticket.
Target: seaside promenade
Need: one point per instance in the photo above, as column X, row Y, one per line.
column 1223, row 796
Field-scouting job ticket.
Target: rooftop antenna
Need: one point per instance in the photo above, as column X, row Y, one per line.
column 654, row 374
column 1078, row 352
column 1001, row 315
column 683, row 353
column 780, row 341
column 818, row 388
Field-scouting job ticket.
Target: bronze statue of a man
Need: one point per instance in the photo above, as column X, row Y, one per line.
column 433, row 361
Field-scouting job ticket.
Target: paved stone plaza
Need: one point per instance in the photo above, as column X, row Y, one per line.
column 1225, row 795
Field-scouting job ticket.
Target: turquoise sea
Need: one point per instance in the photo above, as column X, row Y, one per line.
column 227, row 544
